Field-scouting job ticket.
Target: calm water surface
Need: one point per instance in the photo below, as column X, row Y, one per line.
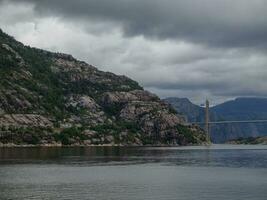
column 219, row 172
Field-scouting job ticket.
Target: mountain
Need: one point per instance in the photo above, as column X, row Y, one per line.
column 52, row 99
column 184, row 107
column 238, row 109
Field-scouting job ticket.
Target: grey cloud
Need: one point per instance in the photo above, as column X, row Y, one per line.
column 186, row 48
column 227, row 23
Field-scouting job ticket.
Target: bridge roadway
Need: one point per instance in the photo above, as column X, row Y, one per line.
column 231, row 122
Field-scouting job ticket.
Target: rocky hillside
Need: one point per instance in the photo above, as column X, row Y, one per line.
column 52, row 98
column 238, row 109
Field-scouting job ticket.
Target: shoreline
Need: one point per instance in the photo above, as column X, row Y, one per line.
column 11, row 145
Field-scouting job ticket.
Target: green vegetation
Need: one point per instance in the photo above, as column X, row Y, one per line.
column 189, row 135
column 70, row 135
column 25, row 135
column 130, row 129
column 114, row 109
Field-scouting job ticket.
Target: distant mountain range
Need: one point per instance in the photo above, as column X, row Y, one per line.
column 238, row 109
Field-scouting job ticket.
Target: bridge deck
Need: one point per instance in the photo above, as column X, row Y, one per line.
column 231, row 122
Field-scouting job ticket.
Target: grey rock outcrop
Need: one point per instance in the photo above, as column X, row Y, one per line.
column 24, row 120
column 145, row 109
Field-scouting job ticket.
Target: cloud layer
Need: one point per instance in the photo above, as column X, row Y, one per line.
column 205, row 48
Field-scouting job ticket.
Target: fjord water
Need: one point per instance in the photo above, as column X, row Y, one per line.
column 218, row 172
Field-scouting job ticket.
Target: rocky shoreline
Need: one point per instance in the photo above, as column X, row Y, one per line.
column 250, row 141
column 59, row 145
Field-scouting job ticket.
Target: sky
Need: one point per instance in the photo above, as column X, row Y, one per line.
column 215, row 49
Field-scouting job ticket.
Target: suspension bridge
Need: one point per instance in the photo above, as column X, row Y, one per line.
column 207, row 121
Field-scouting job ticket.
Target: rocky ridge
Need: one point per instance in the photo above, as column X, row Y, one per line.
column 52, row 98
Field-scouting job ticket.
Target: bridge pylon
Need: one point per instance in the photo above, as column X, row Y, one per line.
column 207, row 121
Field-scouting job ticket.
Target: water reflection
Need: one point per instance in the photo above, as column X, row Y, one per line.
column 134, row 173
column 248, row 156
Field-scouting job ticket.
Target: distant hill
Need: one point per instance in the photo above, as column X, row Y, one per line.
column 238, row 109
column 250, row 140
column 242, row 107
column 186, row 108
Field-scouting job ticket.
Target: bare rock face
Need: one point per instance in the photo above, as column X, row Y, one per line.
column 152, row 116
column 11, row 100
column 83, row 101
column 78, row 72
column 90, row 112
column 124, row 97
column 24, row 120
column 66, row 63
column 159, row 123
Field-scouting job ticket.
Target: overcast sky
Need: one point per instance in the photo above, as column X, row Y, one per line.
column 199, row 49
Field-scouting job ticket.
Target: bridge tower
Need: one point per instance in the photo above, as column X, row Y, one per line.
column 207, row 120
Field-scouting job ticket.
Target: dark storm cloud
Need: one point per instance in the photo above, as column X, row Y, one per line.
column 227, row 23
column 186, row 48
